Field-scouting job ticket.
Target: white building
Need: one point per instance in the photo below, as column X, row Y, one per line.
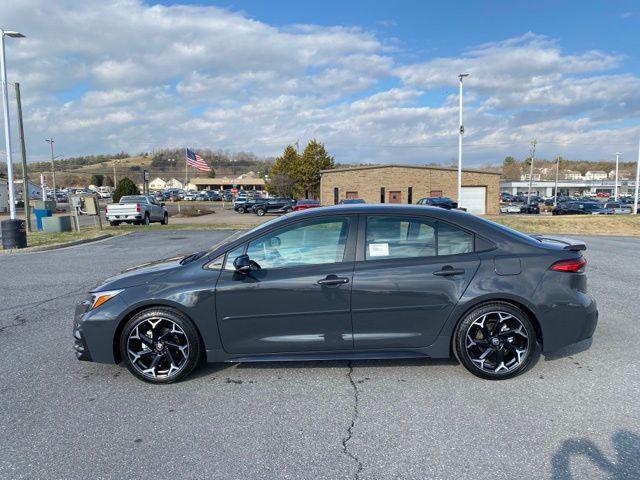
column 571, row 175
column 595, row 175
column 174, row 183
column 158, row 184
column 622, row 174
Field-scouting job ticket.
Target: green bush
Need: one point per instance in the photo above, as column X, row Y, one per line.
column 125, row 187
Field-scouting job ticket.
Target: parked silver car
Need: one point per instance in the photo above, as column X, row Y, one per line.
column 137, row 209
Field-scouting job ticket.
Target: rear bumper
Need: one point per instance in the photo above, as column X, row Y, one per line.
column 570, row 323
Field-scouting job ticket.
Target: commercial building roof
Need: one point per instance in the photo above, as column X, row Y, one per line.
column 422, row 167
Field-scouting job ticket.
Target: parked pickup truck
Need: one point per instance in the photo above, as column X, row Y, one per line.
column 137, row 209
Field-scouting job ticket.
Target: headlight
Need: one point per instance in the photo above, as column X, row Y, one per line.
column 98, row 298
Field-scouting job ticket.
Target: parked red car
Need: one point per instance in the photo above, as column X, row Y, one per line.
column 304, row 204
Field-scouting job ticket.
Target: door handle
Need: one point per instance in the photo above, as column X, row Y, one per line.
column 333, row 280
column 448, row 270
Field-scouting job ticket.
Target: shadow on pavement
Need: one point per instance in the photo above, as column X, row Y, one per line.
column 625, row 465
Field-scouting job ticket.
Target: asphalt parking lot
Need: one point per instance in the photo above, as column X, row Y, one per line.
column 573, row 416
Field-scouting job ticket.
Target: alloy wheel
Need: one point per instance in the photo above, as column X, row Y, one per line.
column 497, row 342
column 158, row 348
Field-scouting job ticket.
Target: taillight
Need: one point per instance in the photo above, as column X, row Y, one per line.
column 575, row 265
column 137, row 207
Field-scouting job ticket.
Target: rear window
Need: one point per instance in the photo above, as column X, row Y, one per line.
column 133, row 199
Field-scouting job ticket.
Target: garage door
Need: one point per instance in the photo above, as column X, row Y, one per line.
column 474, row 199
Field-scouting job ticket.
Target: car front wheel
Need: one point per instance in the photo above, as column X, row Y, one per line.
column 495, row 341
column 160, row 345
column 260, row 212
column 165, row 219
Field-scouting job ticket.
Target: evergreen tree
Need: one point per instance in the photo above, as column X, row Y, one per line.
column 125, row 187
column 314, row 159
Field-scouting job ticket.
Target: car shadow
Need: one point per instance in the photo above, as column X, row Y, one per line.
column 625, row 464
column 569, row 350
column 207, row 369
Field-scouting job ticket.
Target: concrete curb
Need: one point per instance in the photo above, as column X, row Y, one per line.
column 56, row 246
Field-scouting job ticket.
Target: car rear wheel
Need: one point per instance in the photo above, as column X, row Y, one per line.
column 495, row 341
column 146, row 220
column 114, row 224
column 160, row 345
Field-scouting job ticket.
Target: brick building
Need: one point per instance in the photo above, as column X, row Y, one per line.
column 408, row 184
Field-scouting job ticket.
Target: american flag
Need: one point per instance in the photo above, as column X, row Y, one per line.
column 194, row 160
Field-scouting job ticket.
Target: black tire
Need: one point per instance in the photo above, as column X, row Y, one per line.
column 185, row 335
column 165, row 219
column 146, row 220
column 114, row 224
column 242, row 210
column 260, row 212
column 288, row 210
column 514, row 348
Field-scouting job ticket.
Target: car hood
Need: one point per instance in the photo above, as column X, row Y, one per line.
column 141, row 274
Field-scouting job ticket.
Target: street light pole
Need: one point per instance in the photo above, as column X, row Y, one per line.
column 555, row 196
column 51, row 141
column 533, row 155
column 7, row 127
column 635, row 203
column 615, row 188
column 460, row 133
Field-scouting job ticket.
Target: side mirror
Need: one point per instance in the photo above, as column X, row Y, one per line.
column 243, row 264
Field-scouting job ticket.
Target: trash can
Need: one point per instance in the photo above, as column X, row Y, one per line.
column 40, row 214
column 56, row 224
column 14, row 234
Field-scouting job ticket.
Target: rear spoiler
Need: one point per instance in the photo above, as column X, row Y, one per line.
column 569, row 244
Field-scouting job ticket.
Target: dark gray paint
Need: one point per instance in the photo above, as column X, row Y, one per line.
column 397, row 308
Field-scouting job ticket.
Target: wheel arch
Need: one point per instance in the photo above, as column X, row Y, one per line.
column 147, row 306
column 519, row 303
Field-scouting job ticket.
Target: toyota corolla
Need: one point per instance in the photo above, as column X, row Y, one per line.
column 346, row 282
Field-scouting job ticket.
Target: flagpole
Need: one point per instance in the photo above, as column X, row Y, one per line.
column 186, row 168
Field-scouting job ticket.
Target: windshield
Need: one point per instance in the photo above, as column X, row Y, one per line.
column 133, row 199
column 242, row 234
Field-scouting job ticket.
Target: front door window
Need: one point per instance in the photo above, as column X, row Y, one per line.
column 319, row 242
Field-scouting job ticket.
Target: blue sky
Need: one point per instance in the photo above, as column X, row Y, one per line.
column 376, row 81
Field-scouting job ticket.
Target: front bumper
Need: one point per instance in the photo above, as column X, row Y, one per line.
column 79, row 343
column 94, row 330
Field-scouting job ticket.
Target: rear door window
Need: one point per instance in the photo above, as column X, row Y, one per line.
column 394, row 237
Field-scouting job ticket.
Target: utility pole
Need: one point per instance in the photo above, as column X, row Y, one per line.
column 533, row 156
column 555, row 196
column 115, row 181
column 25, row 175
column 460, row 134
column 51, row 141
column 615, row 188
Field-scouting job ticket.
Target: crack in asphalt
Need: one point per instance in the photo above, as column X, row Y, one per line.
column 354, row 418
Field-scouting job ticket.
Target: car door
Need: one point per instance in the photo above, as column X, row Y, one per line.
column 154, row 209
column 409, row 274
column 300, row 299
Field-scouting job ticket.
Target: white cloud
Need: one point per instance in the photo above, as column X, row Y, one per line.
column 110, row 75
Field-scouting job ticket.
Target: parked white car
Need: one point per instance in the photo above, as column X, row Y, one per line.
column 510, row 209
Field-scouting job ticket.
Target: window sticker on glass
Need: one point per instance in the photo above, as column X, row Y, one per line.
column 378, row 249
